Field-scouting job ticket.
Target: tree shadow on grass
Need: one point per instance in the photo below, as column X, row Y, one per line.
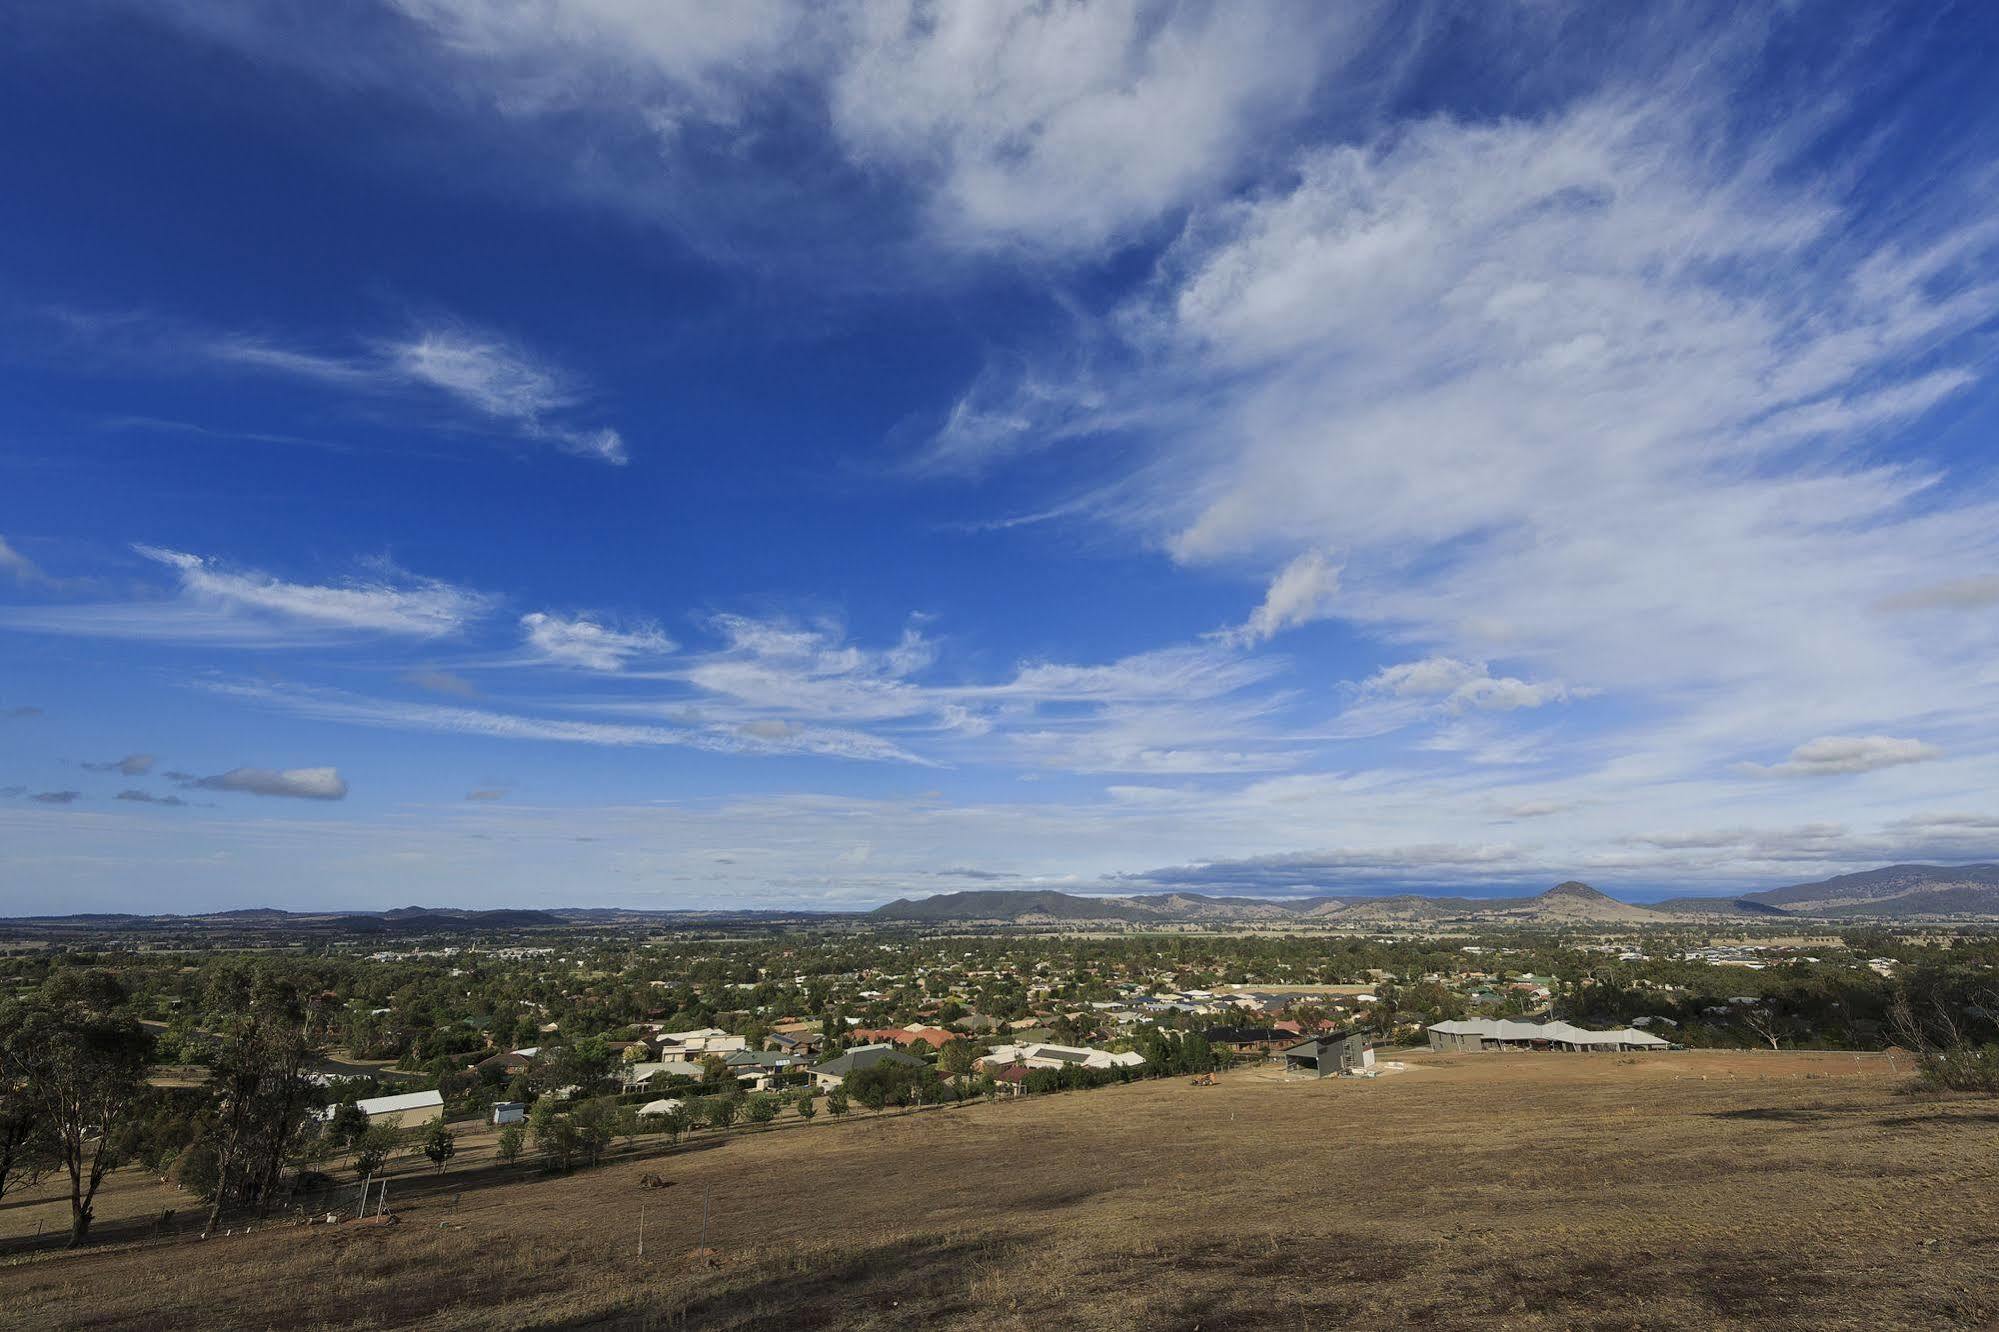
column 917, row 1281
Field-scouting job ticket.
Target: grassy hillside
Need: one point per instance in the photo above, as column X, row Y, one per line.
column 1692, row 1190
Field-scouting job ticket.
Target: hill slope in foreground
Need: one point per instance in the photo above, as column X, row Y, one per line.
column 1686, row 1190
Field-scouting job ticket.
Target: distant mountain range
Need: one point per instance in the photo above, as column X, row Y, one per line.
column 1895, row 892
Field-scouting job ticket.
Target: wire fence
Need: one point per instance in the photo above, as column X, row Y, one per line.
column 324, row 1202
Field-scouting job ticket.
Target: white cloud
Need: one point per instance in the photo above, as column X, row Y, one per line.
column 1441, row 688
column 1609, row 393
column 221, row 606
column 504, row 383
column 1303, row 591
column 1839, row 755
column 296, row 783
column 1013, row 123
column 1066, row 125
column 392, row 604
column 484, row 374
column 583, row 643
column 713, row 737
column 18, row 566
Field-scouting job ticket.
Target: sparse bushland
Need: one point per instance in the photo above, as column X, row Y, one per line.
column 1949, row 1036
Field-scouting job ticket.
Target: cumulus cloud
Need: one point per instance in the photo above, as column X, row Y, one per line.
column 57, row 797
column 148, row 798
column 1839, row 755
column 132, row 765
column 295, row 783
column 1438, row 688
column 1303, row 591
column 582, row 642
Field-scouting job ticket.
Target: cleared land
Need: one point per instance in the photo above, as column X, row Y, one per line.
column 1689, row 1190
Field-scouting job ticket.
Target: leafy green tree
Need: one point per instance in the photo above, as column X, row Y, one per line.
column 836, row 1102
column 674, row 1123
column 377, row 1143
column 82, row 1059
column 27, row 1151
column 956, row 1058
column 347, row 1124
column 512, row 1140
column 806, row 1109
column 595, row 1123
column 554, row 1134
column 722, row 1111
column 760, row 1108
column 440, row 1145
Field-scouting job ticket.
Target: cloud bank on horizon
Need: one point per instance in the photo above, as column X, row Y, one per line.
column 785, row 454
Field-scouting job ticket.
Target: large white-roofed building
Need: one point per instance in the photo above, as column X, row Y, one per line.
column 1478, row 1034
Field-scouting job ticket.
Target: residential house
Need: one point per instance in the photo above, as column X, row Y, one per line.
column 762, row 1068
column 1247, row 1040
column 1041, row 1055
column 638, row 1075
column 835, row 1071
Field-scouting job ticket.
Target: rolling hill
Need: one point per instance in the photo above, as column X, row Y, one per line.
column 1563, row 904
column 1893, row 891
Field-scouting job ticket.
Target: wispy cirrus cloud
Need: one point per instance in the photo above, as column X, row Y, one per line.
column 724, row 737
column 217, row 604
column 484, row 375
column 582, row 642
column 1054, row 128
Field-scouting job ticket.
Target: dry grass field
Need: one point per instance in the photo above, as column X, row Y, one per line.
column 1687, row 1190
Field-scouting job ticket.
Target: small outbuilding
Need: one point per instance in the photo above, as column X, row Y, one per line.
column 404, row 1111
column 1333, row 1053
column 509, row 1112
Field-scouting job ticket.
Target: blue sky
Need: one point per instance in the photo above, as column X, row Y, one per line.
column 762, row 455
